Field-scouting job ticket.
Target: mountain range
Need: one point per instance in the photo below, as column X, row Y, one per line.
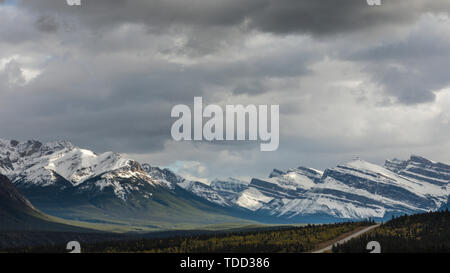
column 77, row 184
column 66, row 181
column 354, row 190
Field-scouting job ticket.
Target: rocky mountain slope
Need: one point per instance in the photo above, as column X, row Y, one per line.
column 18, row 214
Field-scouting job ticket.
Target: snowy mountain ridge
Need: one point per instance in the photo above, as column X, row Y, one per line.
column 354, row 190
column 32, row 163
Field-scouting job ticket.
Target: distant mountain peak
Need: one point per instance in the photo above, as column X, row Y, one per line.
column 61, row 144
column 421, row 159
column 276, row 173
column 230, row 180
column 414, row 158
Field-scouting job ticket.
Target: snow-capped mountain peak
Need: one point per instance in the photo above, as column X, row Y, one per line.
column 77, row 165
column 36, row 162
column 31, row 163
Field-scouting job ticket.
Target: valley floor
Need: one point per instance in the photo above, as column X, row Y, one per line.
column 419, row 233
column 275, row 239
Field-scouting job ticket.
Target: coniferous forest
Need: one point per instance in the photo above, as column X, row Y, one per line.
column 418, row 233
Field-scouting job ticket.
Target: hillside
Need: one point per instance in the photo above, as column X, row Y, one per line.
column 18, row 214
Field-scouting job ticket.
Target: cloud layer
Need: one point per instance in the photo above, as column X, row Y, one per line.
column 351, row 80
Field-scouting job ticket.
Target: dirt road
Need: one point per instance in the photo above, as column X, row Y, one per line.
column 354, row 235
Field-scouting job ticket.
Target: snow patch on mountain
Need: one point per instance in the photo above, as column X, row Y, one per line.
column 252, row 199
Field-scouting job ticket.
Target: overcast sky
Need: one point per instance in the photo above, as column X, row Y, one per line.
column 351, row 80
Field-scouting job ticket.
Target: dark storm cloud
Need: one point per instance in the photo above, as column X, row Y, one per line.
column 109, row 99
column 97, row 123
column 108, row 13
column 324, row 17
column 47, row 24
column 276, row 16
column 412, row 69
